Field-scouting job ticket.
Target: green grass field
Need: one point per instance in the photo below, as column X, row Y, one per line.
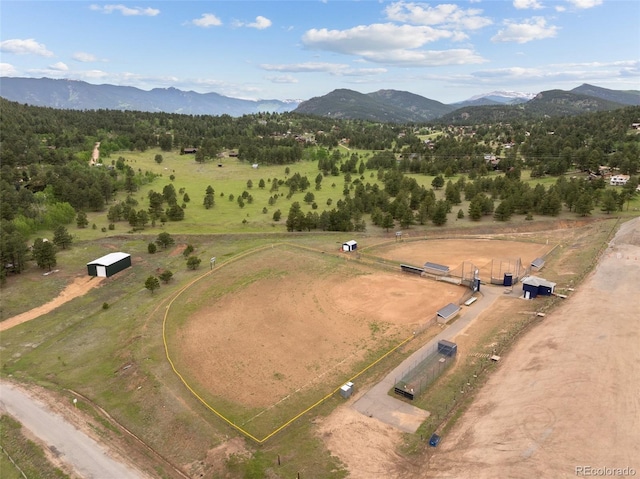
column 231, row 179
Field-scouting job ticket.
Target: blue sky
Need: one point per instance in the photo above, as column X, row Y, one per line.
column 447, row 51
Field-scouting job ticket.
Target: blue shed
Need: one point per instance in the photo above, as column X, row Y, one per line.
column 447, row 348
column 533, row 286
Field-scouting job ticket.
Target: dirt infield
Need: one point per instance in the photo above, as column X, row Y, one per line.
column 453, row 252
column 286, row 320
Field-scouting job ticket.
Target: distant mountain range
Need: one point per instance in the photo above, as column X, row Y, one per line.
column 79, row 95
column 403, row 107
column 497, row 98
column 383, row 105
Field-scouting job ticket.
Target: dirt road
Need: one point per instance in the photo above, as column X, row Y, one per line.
column 77, row 288
column 74, row 448
column 95, row 154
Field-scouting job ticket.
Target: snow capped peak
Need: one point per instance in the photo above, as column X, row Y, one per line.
column 507, row 95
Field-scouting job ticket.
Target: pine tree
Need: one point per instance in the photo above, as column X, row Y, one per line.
column 61, row 237
column 44, row 253
column 152, row 283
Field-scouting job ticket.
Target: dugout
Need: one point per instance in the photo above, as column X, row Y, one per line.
column 435, row 268
column 447, row 348
column 447, row 313
column 109, row 265
column 537, row 264
column 407, row 268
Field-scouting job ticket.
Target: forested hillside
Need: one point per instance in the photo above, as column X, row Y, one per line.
column 48, row 179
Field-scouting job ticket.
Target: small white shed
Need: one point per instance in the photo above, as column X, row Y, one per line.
column 349, row 246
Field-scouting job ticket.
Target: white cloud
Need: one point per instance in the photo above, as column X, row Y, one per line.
column 261, row 23
column 306, row 67
column 207, row 20
column 282, row 79
column 7, row 70
column 585, row 3
column 375, row 37
column 527, row 4
column 126, row 11
column 391, row 44
column 84, row 57
column 447, row 15
column 25, row 47
column 425, row 58
column 535, row 28
column 338, row 69
column 59, row 66
column 95, row 74
column 618, row 74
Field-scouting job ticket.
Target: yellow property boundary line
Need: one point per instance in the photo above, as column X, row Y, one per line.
column 211, row 408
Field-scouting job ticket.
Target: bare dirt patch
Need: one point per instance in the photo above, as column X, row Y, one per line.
column 178, row 250
column 294, row 320
column 567, row 395
column 80, row 286
column 365, row 445
column 453, row 252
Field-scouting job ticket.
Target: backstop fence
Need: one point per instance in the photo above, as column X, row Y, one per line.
column 496, row 270
column 467, row 272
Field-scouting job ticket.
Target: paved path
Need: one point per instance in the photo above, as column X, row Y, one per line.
column 379, row 404
column 88, row 459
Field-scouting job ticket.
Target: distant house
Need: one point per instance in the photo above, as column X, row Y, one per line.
column 604, row 171
column 492, row 160
column 619, row 180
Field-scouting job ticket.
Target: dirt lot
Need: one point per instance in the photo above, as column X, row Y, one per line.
column 295, row 320
column 568, row 394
